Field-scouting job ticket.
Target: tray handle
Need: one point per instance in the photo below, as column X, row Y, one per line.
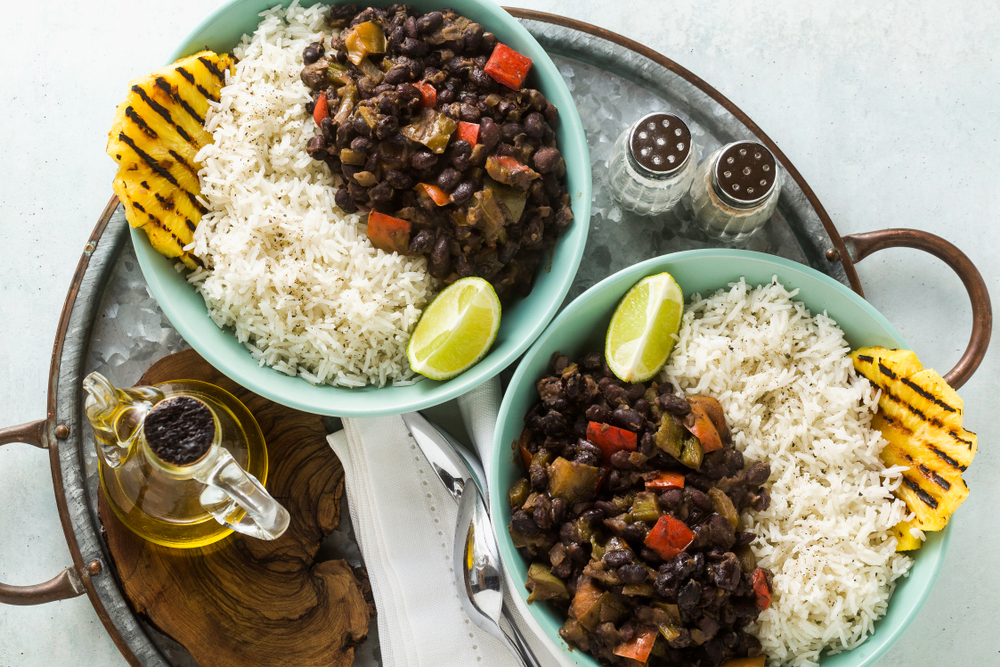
column 860, row 246
column 66, row 584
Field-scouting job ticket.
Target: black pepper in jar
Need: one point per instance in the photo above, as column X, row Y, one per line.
column 179, row 430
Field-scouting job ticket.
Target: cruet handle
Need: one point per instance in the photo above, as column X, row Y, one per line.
column 116, row 415
column 226, row 481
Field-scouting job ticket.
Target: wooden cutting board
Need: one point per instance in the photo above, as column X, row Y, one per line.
column 242, row 601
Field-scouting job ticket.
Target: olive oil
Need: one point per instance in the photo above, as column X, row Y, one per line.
column 168, row 499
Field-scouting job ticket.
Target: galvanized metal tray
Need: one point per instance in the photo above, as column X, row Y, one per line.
column 110, row 323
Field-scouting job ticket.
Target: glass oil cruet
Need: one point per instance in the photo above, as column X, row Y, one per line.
column 182, row 463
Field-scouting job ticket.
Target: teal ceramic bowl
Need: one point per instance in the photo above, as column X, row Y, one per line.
column 580, row 328
column 521, row 321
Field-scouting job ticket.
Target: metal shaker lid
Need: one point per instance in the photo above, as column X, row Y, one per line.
column 659, row 144
column 744, row 174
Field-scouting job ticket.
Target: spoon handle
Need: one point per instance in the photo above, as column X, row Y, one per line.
column 517, row 643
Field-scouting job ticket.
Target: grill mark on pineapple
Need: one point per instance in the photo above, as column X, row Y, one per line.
column 927, row 395
column 196, row 203
column 150, row 162
column 137, row 205
column 886, row 371
column 163, row 112
column 956, row 436
column 947, row 459
column 925, row 498
column 910, row 436
column 180, row 159
column 140, row 122
column 933, row 421
column 190, row 225
column 210, row 66
column 166, row 203
column 934, row 477
column 184, row 73
column 175, row 95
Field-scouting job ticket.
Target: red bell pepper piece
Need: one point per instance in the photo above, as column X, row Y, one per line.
column 639, row 647
column 610, row 438
column 428, row 95
column 469, row 132
column 507, row 66
column 437, row 195
column 666, row 480
column 700, row 424
column 761, row 589
column 388, row 233
column 322, row 109
column 669, row 537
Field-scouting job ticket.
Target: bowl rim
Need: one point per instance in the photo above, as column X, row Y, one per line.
column 293, row 391
column 931, row 555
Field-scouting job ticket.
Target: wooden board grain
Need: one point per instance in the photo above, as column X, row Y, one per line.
column 243, row 601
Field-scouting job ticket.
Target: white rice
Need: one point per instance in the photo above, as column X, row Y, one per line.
column 297, row 279
column 786, row 382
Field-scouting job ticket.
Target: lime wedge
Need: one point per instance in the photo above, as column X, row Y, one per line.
column 456, row 329
column 642, row 330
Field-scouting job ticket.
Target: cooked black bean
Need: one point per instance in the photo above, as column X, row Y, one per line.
column 316, row 147
column 633, row 573
column 761, row 500
column 440, row 261
column 422, row 242
column 386, row 127
column 673, row 404
column 469, row 113
column 344, row 201
column 628, row 419
column 534, row 125
column 523, row 523
column 448, row 179
column 362, row 145
column 463, row 192
column 618, row 557
column 313, row 52
column 620, row 460
column 546, row 159
column 414, row 48
column 381, row 193
column 758, row 473
column 510, row 130
column 401, row 181
column 461, row 152
column 410, row 25
column 397, row 74
column 424, row 160
column 408, row 93
column 429, row 22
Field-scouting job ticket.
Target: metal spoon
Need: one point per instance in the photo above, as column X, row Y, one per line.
column 477, row 556
column 479, row 577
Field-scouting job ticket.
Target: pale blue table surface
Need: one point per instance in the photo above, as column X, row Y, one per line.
column 888, row 110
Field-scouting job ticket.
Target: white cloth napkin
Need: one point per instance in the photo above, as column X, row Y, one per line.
column 405, row 524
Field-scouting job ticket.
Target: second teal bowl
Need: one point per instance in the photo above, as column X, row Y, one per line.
column 580, row 329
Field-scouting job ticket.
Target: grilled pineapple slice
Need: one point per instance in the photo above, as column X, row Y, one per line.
column 157, row 132
column 921, row 418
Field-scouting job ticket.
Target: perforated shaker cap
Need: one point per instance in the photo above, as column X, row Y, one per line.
column 659, row 144
column 744, row 174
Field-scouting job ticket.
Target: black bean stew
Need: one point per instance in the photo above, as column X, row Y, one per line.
column 424, row 122
column 630, row 516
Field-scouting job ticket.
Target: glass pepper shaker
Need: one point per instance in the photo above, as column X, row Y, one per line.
column 735, row 190
column 652, row 164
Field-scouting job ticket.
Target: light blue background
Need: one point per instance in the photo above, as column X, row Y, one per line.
column 888, row 110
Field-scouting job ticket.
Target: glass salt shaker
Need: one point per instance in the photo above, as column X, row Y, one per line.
column 735, row 190
column 652, row 164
